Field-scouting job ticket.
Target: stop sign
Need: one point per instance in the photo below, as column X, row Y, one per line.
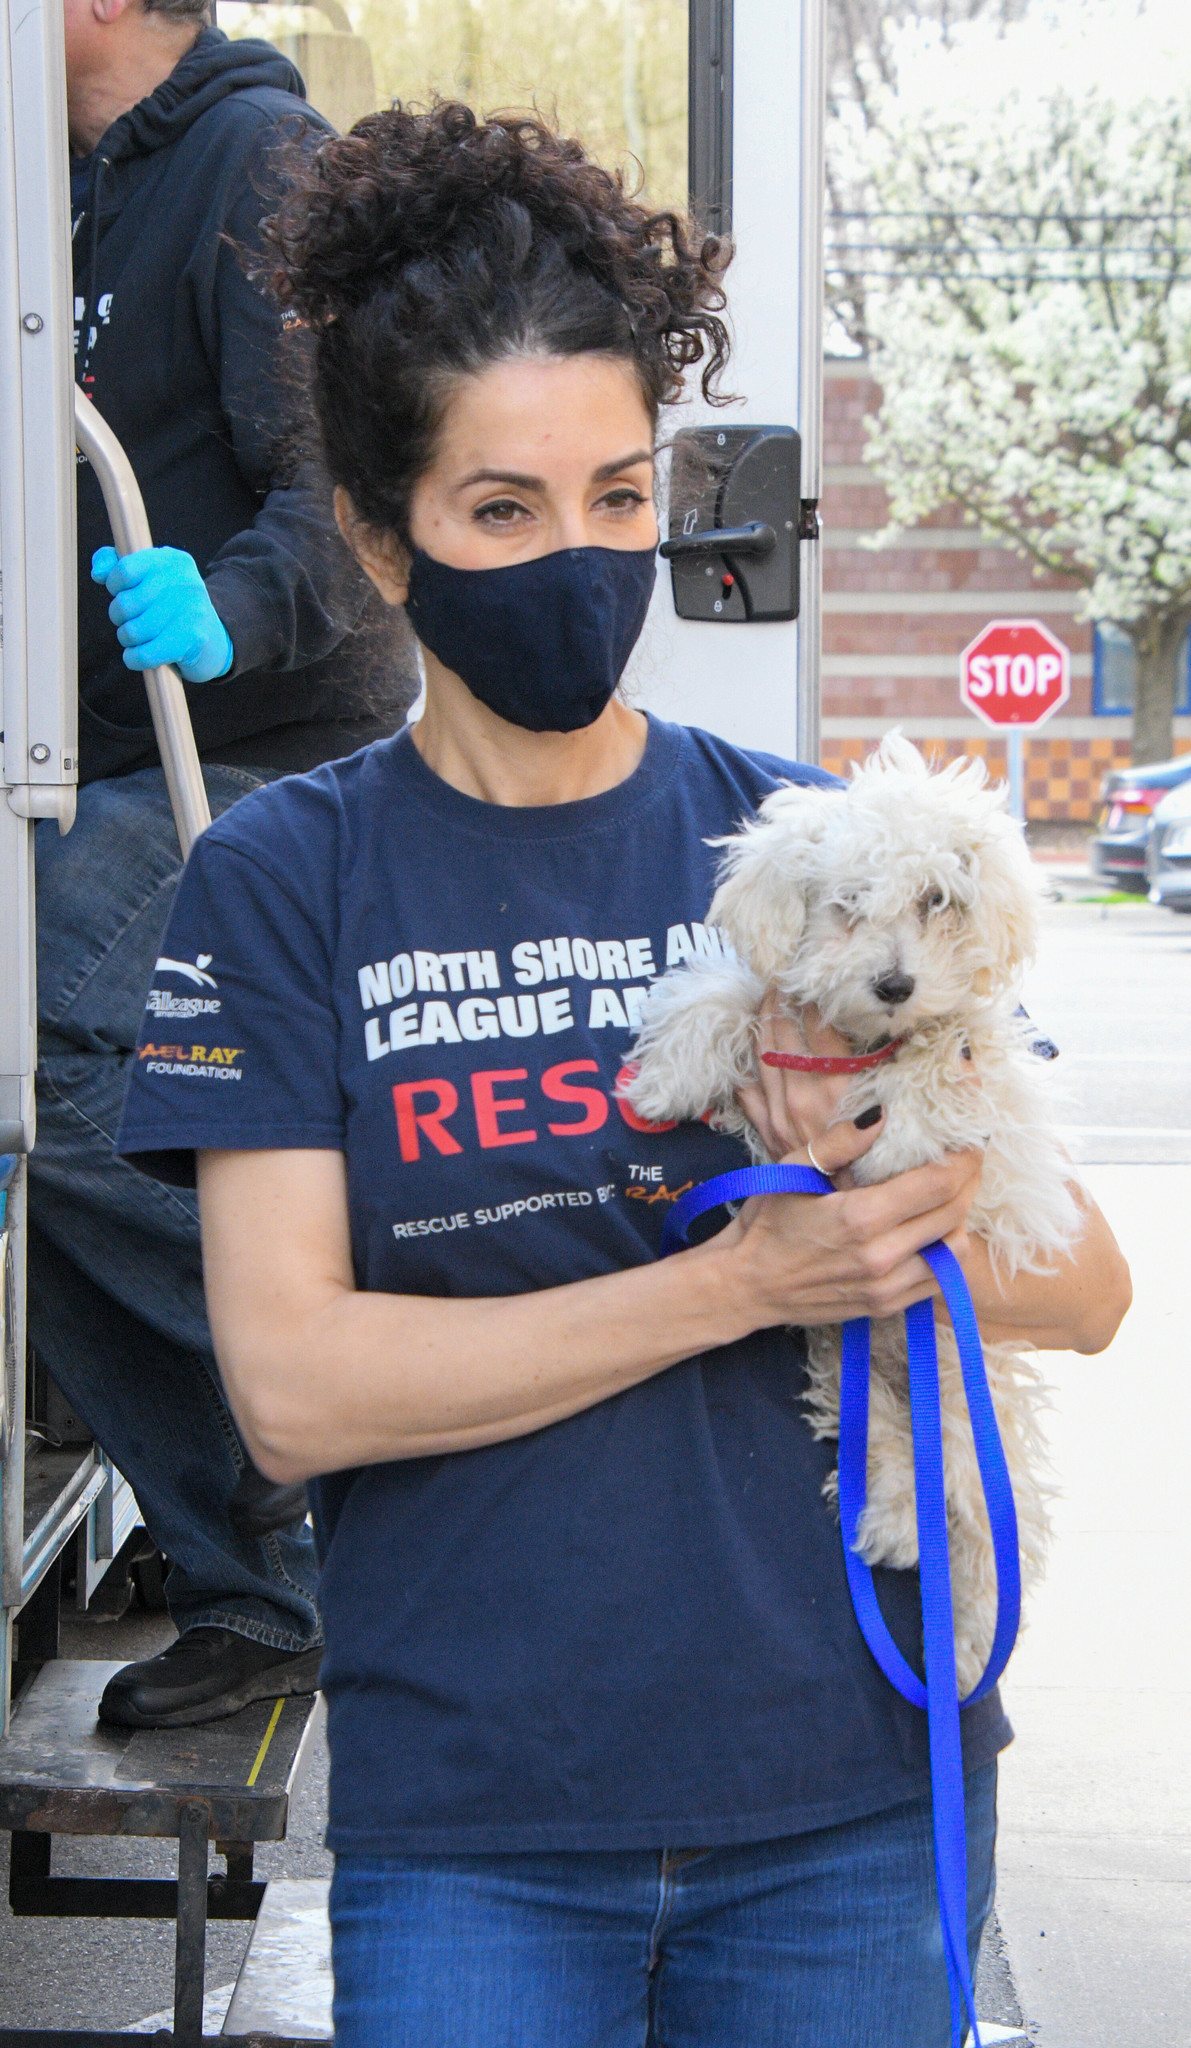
column 1015, row 673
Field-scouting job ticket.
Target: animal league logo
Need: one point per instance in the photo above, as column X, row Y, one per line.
column 195, row 1062
column 163, row 1002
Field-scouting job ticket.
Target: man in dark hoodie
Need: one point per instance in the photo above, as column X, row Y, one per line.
column 177, row 139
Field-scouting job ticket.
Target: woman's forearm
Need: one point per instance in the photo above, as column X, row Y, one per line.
column 323, row 1376
column 363, row 1377
column 1076, row 1307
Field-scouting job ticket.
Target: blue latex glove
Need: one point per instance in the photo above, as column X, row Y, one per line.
column 161, row 612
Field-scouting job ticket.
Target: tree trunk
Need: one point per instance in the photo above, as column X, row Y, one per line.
column 1159, row 645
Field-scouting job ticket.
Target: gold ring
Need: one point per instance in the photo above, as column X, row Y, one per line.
column 810, row 1153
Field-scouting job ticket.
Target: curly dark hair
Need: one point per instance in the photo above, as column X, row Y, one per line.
column 424, row 247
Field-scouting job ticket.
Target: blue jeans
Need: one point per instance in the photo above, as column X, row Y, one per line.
column 823, row 1940
column 116, row 1309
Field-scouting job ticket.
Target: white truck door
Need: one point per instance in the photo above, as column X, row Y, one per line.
column 734, row 663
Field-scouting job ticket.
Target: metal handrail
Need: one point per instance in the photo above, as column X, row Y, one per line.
column 167, row 698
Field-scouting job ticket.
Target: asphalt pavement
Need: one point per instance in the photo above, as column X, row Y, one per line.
column 1094, row 1856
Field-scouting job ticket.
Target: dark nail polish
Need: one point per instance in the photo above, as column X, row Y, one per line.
column 868, row 1117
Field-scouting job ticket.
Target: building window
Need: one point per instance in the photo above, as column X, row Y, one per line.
column 1114, row 674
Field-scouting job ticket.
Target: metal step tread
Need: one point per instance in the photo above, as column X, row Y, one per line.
column 61, row 1772
column 59, row 1488
column 284, row 1985
column 53, row 1478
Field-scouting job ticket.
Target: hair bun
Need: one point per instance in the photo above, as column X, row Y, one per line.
column 427, row 246
column 404, row 186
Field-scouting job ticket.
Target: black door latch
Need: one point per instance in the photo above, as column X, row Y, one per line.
column 735, row 517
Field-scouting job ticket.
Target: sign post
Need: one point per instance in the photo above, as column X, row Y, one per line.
column 1015, row 675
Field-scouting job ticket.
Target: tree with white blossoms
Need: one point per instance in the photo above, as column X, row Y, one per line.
column 868, row 43
column 1028, row 305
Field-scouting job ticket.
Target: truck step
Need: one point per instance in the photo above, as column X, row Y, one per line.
column 284, row 1986
column 230, row 1782
column 61, row 1772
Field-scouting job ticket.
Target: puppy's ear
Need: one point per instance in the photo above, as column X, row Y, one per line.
column 896, row 755
column 766, row 875
column 1006, row 896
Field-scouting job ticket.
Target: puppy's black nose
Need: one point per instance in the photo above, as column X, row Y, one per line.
column 894, row 987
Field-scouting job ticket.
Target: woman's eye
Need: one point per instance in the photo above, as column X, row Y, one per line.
column 623, row 499
column 501, row 511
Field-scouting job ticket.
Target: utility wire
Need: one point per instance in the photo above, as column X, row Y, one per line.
column 943, row 212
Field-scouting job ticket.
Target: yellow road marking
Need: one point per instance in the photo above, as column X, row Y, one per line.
column 262, row 1752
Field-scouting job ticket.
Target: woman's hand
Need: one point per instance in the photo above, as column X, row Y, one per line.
column 807, row 1259
column 1076, row 1306
column 791, row 1110
column 823, row 1258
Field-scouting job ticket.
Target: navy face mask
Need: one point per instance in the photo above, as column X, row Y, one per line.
column 542, row 643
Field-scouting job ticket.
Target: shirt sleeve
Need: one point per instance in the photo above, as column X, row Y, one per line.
column 287, row 587
column 239, row 1049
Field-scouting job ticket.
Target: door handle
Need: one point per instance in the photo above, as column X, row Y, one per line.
column 754, row 539
column 735, row 512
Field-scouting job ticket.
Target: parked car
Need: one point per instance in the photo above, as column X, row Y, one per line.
column 1129, row 796
column 1168, row 850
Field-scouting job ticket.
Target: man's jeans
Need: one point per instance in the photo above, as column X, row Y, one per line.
column 116, row 1307
column 823, row 1940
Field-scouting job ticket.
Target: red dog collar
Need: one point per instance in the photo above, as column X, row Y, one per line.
column 855, row 1063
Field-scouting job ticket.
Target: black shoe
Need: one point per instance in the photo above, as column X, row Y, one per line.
column 207, row 1674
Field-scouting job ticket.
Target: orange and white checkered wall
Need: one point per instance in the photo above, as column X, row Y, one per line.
column 1062, row 775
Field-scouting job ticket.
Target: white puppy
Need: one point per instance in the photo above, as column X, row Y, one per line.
column 901, row 907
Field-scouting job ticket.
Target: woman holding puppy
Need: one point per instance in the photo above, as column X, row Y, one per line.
column 610, row 1761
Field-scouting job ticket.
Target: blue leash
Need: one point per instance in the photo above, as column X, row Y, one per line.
column 940, row 1695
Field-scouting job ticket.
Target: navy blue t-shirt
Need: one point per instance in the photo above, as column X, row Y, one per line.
column 632, row 1628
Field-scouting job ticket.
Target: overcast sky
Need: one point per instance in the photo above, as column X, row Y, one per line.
column 1132, row 48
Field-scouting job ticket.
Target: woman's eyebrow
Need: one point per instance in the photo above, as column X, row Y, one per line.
column 607, row 469
column 502, row 476
column 522, row 482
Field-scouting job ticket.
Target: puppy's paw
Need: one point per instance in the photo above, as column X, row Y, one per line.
column 697, row 1043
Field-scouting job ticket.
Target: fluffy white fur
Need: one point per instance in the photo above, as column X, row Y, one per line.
column 824, row 896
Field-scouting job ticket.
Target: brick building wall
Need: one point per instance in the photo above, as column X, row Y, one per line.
column 896, row 619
